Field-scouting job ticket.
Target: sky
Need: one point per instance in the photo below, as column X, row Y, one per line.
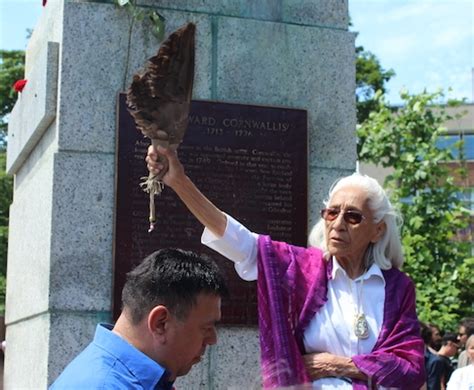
column 428, row 43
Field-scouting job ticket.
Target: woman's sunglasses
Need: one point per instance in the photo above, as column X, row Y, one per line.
column 352, row 217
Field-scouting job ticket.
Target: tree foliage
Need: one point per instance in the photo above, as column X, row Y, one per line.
column 6, row 191
column 12, row 68
column 424, row 188
column 370, row 78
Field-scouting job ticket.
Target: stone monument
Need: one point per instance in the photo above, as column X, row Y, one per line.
column 62, row 152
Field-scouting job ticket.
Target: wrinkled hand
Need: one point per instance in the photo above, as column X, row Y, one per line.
column 320, row 365
column 175, row 171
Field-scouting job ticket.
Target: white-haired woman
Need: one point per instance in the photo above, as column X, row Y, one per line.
column 338, row 314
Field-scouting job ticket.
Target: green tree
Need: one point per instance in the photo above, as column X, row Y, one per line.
column 370, row 78
column 6, row 193
column 424, row 189
column 12, row 68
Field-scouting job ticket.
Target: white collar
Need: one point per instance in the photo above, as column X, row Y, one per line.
column 373, row 271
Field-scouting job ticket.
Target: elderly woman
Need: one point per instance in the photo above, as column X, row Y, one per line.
column 339, row 314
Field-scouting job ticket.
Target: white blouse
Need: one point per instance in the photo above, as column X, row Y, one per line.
column 331, row 330
column 462, row 378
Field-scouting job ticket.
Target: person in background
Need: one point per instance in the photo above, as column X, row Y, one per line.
column 432, row 377
column 463, row 378
column 466, row 330
column 436, row 338
column 171, row 304
column 338, row 314
column 442, row 367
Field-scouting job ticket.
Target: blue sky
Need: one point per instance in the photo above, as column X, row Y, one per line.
column 428, row 43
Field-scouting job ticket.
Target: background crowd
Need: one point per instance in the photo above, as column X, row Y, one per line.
column 446, row 353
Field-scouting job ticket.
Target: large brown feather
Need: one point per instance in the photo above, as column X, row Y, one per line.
column 160, row 97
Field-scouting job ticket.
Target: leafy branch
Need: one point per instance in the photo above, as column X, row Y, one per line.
column 138, row 14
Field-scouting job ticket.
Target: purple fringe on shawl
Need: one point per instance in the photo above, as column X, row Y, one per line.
column 292, row 287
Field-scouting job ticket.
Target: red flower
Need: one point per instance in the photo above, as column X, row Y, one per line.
column 44, row 2
column 19, row 85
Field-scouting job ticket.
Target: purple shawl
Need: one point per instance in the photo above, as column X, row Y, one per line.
column 292, row 287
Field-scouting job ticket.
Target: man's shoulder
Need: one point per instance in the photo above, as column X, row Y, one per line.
column 430, row 359
column 440, row 362
column 95, row 368
column 96, row 380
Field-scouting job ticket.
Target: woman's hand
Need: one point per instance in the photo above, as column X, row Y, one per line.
column 175, row 173
column 322, row 365
column 201, row 207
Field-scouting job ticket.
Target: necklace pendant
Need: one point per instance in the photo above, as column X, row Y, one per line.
column 361, row 327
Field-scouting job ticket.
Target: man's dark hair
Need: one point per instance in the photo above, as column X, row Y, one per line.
column 453, row 337
column 425, row 332
column 435, row 344
column 173, row 278
column 468, row 324
column 434, row 326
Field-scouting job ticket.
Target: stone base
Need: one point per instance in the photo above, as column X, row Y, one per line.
column 233, row 363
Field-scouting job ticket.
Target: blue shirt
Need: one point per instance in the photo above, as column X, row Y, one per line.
column 109, row 362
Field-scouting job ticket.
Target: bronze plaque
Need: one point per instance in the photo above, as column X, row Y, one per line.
column 251, row 161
